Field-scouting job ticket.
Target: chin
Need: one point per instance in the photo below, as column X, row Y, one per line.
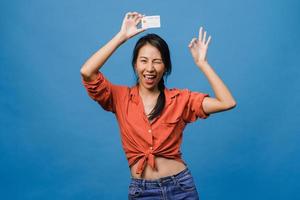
column 148, row 87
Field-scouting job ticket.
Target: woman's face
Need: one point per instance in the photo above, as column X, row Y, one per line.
column 149, row 67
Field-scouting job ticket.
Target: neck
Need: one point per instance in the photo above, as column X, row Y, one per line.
column 147, row 93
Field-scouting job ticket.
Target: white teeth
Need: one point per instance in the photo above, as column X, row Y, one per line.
column 149, row 76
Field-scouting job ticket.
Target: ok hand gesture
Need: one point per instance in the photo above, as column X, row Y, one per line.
column 198, row 47
column 129, row 25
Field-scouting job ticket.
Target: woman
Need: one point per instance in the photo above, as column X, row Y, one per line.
column 151, row 117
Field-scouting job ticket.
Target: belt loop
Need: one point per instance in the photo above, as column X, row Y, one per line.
column 174, row 179
column 143, row 183
column 159, row 182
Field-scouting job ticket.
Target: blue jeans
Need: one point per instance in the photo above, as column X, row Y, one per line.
column 175, row 187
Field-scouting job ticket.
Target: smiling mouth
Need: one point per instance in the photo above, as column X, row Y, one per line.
column 149, row 77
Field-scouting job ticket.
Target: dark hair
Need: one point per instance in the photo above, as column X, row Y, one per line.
column 163, row 48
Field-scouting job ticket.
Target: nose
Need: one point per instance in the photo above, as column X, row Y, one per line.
column 150, row 67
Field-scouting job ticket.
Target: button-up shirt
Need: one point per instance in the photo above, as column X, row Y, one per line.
column 142, row 140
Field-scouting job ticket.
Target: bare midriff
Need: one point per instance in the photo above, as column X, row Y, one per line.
column 165, row 167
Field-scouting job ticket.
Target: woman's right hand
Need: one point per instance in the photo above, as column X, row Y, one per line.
column 129, row 25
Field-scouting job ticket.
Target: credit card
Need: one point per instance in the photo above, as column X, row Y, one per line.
column 151, row 21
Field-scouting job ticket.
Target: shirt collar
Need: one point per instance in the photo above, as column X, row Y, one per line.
column 169, row 93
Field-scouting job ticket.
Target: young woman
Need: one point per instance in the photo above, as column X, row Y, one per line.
column 152, row 117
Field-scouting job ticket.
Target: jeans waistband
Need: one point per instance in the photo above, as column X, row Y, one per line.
column 161, row 180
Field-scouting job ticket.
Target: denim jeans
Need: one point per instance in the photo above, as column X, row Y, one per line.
column 175, row 187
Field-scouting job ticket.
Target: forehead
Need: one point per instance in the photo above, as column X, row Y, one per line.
column 149, row 51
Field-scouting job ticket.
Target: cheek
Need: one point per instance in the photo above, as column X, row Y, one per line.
column 137, row 69
column 161, row 69
column 161, row 74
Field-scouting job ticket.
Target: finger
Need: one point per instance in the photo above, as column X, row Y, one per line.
column 193, row 41
column 200, row 33
column 129, row 15
column 208, row 41
column 134, row 14
column 204, row 37
column 138, row 20
column 141, row 30
column 136, row 17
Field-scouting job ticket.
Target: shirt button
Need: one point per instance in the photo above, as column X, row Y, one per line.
column 151, row 148
column 149, row 130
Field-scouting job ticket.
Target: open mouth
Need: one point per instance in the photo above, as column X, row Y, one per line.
column 149, row 79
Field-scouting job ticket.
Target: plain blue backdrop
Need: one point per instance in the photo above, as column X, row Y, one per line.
column 56, row 143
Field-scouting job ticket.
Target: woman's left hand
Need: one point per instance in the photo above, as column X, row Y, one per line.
column 198, row 47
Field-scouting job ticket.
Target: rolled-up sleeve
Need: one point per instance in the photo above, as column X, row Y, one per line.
column 100, row 90
column 194, row 107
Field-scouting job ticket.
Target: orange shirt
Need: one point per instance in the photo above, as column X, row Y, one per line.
column 142, row 140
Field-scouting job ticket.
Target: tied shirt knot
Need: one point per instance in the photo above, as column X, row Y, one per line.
column 149, row 159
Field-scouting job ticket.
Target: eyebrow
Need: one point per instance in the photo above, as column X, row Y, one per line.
column 153, row 59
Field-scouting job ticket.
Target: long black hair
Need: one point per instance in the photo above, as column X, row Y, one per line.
column 163, row 48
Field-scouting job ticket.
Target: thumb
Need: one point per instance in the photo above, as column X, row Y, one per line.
column 141, row 30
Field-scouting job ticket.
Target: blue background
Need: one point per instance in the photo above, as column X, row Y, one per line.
column 56, row 143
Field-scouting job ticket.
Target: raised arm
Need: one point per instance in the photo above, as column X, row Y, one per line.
column 95, row 62
column 224, row 99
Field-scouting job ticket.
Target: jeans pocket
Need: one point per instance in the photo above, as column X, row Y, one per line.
column 186, row 183
column 134, row 190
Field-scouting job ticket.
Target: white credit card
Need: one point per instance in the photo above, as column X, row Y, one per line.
column 151, row 21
